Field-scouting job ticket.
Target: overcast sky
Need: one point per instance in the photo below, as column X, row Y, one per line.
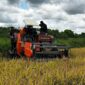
column 58, row 14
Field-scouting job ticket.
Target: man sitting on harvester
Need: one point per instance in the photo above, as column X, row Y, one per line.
column 43, row 26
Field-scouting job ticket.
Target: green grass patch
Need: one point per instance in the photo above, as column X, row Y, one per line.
column 73, row 42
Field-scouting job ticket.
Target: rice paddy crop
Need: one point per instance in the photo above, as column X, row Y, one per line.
column 63, row 71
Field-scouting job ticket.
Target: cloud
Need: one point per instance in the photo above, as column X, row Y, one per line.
column 74, row 7
column 13, row 1
column 32, row 2
column 5, row 18
column 9, row 9
column 58, row 14
column 37, row 1
column 11, row 14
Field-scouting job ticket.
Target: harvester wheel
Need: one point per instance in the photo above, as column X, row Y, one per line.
column 66, row 53
column 12, row 53
column 59, row 56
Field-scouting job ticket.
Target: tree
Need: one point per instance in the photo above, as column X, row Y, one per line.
column 69, row 33
column 82, row 35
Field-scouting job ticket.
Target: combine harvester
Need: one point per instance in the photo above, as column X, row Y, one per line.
column 38, row 45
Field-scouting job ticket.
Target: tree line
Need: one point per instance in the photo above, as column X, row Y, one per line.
column 63, row 34
column 66, row 34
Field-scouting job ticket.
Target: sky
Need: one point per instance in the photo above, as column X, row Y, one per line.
column 57, row 14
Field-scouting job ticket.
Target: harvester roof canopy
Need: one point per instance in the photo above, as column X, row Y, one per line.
column 31, row 22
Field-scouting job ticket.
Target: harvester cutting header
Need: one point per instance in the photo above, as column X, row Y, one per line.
column 33, row 42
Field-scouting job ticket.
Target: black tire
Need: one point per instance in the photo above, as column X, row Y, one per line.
column 66, row 53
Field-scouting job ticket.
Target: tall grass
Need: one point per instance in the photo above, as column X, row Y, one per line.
column 69, row 71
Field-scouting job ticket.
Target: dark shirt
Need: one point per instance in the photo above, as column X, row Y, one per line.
column 13, row 36
column 43, row 27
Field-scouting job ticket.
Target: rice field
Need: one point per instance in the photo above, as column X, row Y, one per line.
column 65, row 71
